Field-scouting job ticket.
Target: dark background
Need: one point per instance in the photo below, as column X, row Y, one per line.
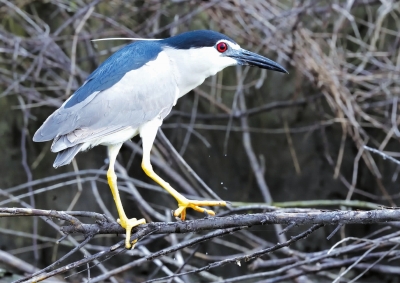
column 306, row 130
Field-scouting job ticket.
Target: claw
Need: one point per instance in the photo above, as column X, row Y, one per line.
column 128, row 224
column 134, row 244
column 184, row 203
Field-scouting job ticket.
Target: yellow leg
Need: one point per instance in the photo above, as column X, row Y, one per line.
column 126, row 223
column 183, row 203
column 148, row 133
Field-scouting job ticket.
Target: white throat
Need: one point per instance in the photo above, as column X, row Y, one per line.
column 192, row 66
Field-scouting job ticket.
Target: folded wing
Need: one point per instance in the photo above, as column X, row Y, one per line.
column 129, row 89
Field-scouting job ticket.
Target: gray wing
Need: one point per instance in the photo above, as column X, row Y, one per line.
column 138, row 97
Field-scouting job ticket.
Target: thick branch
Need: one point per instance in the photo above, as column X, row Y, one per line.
column 275, row 217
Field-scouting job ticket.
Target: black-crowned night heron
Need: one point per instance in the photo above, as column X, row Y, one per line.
column 131, row 93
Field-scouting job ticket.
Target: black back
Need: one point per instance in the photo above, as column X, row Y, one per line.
column 195, row 39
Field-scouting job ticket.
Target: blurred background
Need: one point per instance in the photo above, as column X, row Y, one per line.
column 278, row 139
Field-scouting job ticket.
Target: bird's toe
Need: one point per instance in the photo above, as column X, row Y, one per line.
column 128, row 224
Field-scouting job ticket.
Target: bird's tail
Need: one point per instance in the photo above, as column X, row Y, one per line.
column 65, row 156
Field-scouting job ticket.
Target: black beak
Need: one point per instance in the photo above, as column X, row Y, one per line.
column 245, row 57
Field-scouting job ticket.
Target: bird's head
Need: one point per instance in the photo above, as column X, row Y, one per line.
column 213, row 51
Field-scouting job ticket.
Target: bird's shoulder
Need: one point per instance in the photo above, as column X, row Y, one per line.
column 129, row 58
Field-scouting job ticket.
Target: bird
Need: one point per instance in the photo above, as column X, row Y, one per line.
column 131, row 93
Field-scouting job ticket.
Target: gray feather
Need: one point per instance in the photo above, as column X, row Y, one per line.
column 81, row 136
column 65, row 157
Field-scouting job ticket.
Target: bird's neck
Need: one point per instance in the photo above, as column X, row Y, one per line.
column 191, row 70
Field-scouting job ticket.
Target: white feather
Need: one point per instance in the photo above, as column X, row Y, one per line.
column 192, row 66
column 124, row 38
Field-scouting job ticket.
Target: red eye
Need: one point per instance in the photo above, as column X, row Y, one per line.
column 222, row 47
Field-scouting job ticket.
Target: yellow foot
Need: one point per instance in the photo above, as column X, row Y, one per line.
column 195, row 205
column 128, row 224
